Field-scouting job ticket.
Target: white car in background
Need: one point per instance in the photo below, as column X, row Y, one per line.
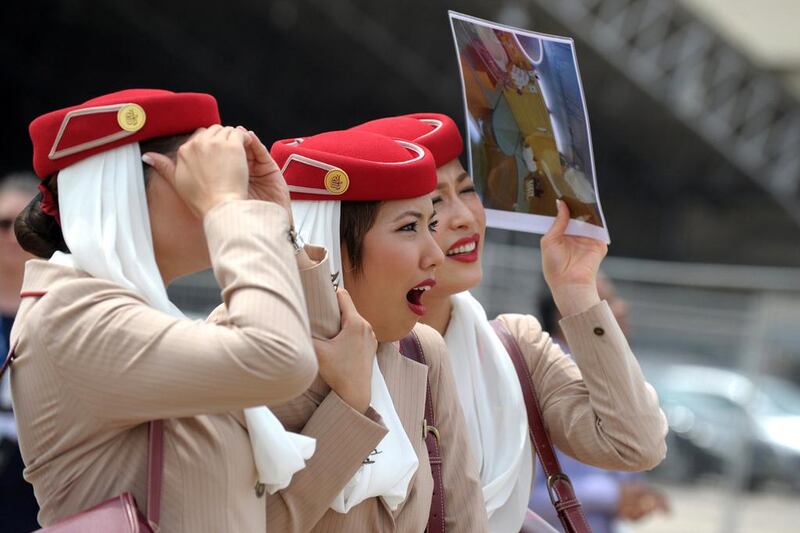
column 719, row 416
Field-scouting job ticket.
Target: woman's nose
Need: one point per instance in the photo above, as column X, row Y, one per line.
column 461, row 215
column 432, row 256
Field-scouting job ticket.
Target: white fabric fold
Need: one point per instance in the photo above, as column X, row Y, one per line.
column 106, row 225
column 395, row 461
column 493, row 405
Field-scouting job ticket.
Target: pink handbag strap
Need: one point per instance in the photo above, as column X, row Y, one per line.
column 412, row 348
column 559, row 486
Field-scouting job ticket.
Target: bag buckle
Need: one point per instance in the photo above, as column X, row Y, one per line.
column 551, row 481
column 429, row 429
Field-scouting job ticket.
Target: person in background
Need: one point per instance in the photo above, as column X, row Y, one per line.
column 17, row 503
column 607, row 496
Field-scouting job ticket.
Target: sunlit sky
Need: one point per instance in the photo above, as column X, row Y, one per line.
column 765, row 30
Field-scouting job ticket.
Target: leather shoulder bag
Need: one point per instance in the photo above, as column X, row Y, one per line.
column 559, row 486
column 412, row 348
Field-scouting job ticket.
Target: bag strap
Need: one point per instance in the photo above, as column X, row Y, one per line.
column 559, row 486
column 155, row 472
column 7, row 362
column 155, row 450
column 412, row 348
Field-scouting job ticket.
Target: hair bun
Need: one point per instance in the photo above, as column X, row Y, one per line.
column 38, row 232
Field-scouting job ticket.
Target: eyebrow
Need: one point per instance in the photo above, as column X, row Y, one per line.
column 461, row 177
column 415, row 214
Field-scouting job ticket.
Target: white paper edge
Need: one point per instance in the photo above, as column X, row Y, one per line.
column 529, row 223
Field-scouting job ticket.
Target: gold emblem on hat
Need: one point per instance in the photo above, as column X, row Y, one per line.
column 131, row 117
column 336, row 181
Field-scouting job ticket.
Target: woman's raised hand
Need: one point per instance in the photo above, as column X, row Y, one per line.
column 266, row 180
column 211, row 168
column 345, row 361
column 570, row 265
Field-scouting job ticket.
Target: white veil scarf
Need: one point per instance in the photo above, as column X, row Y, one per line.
column 106, row 225
column 397, row 462
column 497, row 422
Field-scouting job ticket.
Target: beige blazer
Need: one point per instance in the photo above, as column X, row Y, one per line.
column 345, row 438
column 94, row 363
column 597, row 406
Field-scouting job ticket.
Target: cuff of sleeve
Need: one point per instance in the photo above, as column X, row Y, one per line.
column 323, row 308
column 344, row 433
column 317, row 254
column 595, row 325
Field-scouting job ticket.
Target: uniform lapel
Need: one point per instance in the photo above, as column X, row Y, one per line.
column 407, row 382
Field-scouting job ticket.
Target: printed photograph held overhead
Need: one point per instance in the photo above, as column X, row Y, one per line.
column 528, row 130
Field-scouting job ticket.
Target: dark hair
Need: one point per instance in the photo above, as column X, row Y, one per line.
column 40, row 234
column 36, row 231
column 356, row 220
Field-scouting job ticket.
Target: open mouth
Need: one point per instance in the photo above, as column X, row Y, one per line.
column 414, row 296
column 464, row 250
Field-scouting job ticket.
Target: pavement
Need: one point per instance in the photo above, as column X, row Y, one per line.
column 711, row 508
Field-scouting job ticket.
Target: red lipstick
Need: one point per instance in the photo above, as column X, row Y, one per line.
column 464, row 250
column 414, row 296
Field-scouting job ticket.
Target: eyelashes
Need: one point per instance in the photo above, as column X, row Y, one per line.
column 413, row 226
column 468, row 190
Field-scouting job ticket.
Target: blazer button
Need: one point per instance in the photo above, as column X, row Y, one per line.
column 599, row 332
column 260, row 489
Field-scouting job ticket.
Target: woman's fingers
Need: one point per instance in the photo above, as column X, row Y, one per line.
column 162, row 164
column 214, row 131
column 560, row 224
column 346, row 306
column 259, row 150
column 237, row 136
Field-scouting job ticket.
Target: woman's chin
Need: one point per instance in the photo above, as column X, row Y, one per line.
column 460, row 282
column 398, row 329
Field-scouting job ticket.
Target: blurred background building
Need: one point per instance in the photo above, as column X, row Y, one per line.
column 695, row 115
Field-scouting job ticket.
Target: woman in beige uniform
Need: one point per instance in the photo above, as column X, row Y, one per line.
column 597, row 408
column 365, row 197
column 100, row 350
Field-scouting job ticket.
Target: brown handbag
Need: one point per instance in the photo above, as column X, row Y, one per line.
column 119, row 514
column 411, row 347
column 559, row 486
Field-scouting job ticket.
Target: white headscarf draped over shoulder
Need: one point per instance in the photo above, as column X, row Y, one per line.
column 497, row 421
column 106, row 225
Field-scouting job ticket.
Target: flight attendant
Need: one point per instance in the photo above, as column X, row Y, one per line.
column 597, row 407
column 100, row 350
column 365, row 197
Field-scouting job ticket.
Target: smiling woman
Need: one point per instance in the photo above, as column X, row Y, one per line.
column 371, row 471
column 597, row 406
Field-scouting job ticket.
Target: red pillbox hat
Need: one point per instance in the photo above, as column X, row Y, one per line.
column 354, row 165
column 66, row 136
column 436, row 132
